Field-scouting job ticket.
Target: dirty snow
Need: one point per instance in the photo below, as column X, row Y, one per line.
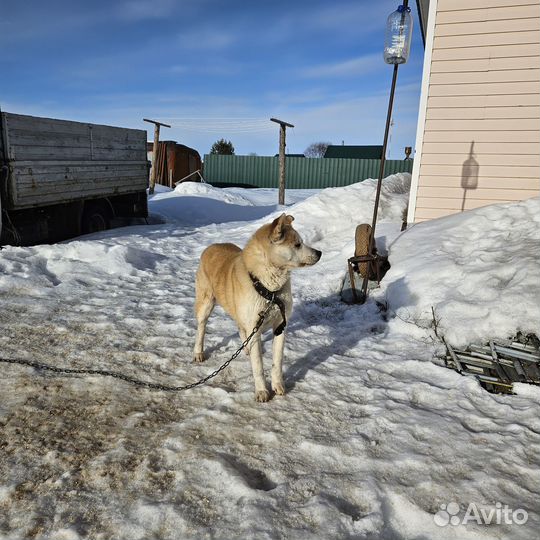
column 372, row 437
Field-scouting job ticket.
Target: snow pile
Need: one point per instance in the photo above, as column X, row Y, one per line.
column 340, row 210
column 479, row 270
column 201, row 189
column 196, row 204
column 372, row 440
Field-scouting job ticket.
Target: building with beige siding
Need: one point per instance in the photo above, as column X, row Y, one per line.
column 478, row 135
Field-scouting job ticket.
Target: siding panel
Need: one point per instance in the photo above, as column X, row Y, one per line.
column 489, row 149
column 478, row 65
column 481, row 40
column 483, row 160
column 487, row 27
column 482, row 136
column 493, row 76
column 493, row 51
column 466, row 5
column 500, row 100
column 484, row 182
column 487, row 14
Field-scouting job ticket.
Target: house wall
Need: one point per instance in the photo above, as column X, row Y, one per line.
column 478, row 139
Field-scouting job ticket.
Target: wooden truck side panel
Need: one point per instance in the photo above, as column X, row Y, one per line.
column 59, row 161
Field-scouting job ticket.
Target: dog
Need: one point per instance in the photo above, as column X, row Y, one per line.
column 242, row 282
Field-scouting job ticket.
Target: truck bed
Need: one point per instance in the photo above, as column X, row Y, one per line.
column 58, row 161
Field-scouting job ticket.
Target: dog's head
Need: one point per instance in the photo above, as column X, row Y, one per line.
column 287, row 250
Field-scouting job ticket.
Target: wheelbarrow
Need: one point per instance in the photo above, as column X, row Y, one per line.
column 366, row 264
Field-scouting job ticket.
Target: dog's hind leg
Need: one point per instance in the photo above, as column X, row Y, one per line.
column 278, row 344
column 204, row 304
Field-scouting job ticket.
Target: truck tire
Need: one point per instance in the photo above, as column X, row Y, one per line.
column 96, row 217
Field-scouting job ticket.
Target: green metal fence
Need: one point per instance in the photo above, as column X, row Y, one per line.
column 302, row 173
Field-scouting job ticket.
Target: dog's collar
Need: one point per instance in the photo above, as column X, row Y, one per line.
column 271, row 296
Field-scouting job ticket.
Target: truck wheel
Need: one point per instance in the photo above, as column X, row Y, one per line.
column 95, row 218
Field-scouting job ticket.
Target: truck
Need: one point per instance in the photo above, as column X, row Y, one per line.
column 60, row 179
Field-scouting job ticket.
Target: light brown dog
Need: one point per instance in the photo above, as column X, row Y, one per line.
column 242, row 280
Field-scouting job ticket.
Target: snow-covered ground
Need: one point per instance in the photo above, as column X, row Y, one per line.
column 372, row 436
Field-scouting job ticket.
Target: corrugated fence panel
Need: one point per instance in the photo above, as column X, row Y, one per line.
column 301, row 173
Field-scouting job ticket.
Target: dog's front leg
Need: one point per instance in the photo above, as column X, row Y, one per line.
column 278, row 344
column 255, row 354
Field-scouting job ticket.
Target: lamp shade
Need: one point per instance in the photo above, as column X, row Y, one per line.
column 397, row 42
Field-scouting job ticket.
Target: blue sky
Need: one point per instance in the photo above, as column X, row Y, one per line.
column 212, row 69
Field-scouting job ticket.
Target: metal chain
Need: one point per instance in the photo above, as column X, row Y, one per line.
column 137, row 382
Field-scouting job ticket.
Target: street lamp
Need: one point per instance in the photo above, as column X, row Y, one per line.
column 396, row 51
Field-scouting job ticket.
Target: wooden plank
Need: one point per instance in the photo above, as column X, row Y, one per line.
column 118, row 154
column 506, row 160
column 49, row 125
column 109, row 184
column 46, row 165
column 43, row 153
column 488, row 148
column 81, row 177
column 482, row 136
column 28, row 137
column 487, row 170
column 488, row 51
column 24, row 138
column 497, row 76
column 31, row 201
column 482, row 40
column 482, row 194
column 484, row 182
column 466, row 5
column 530, row 23
column 37, row 124
column 500, row 100
column 480, row 89
column 485, row 64
column 497, row 13
column 480, row 113
column 41, row 195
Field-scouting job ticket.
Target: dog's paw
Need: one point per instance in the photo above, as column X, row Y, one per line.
column 262, row 395
column 199, row 357
column 279, row 388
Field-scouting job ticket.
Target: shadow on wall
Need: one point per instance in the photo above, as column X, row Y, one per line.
column 469, row 175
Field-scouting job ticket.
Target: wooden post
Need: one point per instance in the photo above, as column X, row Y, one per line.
column 282, row 127
column 154, row 152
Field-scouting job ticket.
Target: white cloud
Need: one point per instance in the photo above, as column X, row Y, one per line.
column 355, row 66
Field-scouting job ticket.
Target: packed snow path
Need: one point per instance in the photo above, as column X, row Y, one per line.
column 371, row 438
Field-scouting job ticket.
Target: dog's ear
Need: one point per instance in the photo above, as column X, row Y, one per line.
column 277, row 228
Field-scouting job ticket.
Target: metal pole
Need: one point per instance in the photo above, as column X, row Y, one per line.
column 381, row 175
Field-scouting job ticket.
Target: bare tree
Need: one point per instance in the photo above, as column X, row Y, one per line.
column 316, row 149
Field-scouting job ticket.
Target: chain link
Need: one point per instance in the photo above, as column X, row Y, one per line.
column 137, row 382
